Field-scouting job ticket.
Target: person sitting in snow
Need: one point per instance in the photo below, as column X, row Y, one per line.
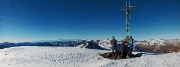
column 113, row 45
column 130, row 46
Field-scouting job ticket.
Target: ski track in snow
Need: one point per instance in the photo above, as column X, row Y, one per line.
column 32, row 56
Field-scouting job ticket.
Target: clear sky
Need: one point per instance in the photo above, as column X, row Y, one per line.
column 32, row 20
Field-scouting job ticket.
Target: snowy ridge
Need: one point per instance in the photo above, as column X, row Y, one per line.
column 78, row 57
column 175, row 42
column 105, row 44
column 91, row 45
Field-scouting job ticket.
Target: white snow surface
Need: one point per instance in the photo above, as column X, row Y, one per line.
column 31, row 56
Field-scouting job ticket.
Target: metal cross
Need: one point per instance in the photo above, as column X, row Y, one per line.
column 128, row 9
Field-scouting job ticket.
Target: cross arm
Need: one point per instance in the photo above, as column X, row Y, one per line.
column 128, row 8
column 132, row 7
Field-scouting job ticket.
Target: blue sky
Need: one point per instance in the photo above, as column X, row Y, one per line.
column 32, row 20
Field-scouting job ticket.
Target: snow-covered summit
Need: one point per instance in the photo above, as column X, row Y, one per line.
column 105, row 43
column 160, row 42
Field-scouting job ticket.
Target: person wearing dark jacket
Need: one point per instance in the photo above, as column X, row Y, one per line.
column 113, row 45
column 124, row 47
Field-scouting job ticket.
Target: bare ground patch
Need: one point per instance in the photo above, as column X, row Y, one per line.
column 112, row 56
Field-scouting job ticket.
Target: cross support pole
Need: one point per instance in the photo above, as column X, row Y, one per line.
column 128, row 9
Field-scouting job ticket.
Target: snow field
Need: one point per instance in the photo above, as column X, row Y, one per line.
column 31, row 56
